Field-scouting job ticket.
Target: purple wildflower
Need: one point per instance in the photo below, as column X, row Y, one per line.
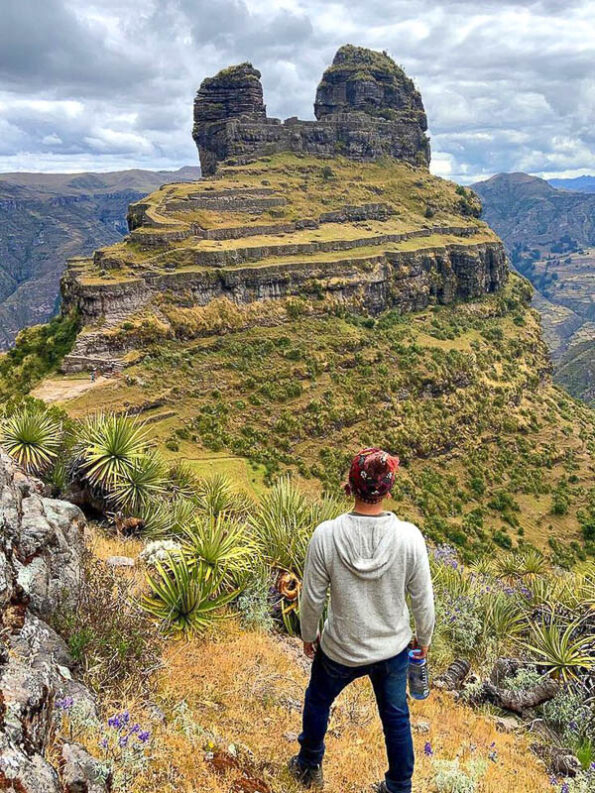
column 65, row 704
column 428, row 751
column 123, row 741
column 143, row 737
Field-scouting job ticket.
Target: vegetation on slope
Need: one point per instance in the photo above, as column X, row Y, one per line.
column 37, row 352
column 491, row 452
column 220, row 703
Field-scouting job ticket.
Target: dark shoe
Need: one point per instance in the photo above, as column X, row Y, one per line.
column 308, row 776
column 380, row 787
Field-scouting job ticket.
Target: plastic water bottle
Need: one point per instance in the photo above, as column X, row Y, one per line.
column 419, row 684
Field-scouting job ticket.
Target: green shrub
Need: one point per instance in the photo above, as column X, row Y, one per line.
column 107, row 632
column 185, row 598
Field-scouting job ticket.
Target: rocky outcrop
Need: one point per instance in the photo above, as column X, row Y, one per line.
column 366, row 107
column 408, row 280
column 41, row 544
column 363, row 81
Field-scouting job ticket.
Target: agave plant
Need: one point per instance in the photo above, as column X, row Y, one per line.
column 555, row 648
column 503, row 617
column 216, row 494
column 185, row 599
column 284, row 522
column 532, row 563
column 163, row 518
column 142, row 481
column 483, row 566
column 184, row 482
column 109, row 448
column 508, row 566
column 584, row 583
column 32, row 438
column 543, row 591
column 220, row 543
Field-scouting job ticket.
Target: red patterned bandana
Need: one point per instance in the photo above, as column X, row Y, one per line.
column 372, row 475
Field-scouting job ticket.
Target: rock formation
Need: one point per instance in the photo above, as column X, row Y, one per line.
column 293, row 211
column 364, row 81
column 41, row 543
column 366, row 107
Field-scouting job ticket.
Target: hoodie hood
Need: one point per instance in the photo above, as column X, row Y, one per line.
column 365, row 544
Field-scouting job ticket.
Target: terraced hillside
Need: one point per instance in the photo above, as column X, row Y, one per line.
column 268, row 239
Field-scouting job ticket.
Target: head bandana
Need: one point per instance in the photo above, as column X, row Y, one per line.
column 372, row 475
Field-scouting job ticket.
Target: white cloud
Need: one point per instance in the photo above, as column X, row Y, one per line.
column 507, row 84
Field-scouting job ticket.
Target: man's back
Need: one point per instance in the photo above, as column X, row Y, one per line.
column 370, row 564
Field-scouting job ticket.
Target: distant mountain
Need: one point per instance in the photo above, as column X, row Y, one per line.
column 526, row 210
column 582, row 184
column 550, row 234
column 46, row 218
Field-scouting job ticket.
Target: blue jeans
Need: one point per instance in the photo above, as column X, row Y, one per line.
column 389, row 680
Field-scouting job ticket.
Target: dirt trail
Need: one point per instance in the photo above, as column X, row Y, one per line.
column 64, row 389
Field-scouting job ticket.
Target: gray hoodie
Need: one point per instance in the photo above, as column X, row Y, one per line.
column 370, row 564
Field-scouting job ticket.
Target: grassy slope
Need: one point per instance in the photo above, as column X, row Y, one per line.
column 244, row 688
column 461, row 393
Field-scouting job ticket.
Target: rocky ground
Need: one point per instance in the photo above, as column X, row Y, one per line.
column 41, row 545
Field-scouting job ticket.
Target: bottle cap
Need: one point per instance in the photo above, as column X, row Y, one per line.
column 414, row 658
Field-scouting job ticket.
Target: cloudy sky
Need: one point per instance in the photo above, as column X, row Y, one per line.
column 109, row 84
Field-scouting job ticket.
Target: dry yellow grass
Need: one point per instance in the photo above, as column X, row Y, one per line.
column 244, row 688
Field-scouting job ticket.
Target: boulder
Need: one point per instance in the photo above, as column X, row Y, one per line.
column 82, row 773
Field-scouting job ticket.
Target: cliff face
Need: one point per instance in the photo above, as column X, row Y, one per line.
column 41, row 544
column 365, row 105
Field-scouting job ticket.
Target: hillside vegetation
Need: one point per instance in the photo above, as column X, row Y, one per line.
column 491, row 451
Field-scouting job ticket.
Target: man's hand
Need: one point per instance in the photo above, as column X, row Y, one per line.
column 310, row 649
column 420, row 652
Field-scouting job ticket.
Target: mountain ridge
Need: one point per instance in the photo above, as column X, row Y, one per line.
column 45, row 218
column 550, row 237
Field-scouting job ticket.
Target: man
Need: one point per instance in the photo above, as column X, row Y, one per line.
column 370, row 560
